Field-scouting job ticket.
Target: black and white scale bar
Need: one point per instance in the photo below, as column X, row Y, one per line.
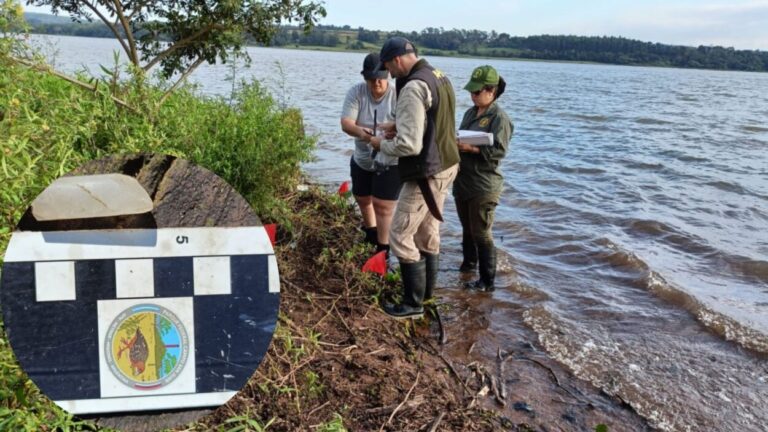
column 136, row 243
column 134, row 251
column 228, row 300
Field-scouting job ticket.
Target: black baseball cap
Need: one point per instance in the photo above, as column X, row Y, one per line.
column 370, row 68
column 394, row 47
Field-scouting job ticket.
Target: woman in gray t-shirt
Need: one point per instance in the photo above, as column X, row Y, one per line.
column 375, row 179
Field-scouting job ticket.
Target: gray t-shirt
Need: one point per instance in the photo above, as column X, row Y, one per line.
column 359, row 106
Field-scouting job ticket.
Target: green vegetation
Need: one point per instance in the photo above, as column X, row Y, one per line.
column 245, row 423
column 335, row 425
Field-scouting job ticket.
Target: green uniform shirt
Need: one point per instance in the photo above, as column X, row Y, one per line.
column 479, row 173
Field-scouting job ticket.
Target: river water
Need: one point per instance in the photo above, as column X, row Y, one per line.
column 634, row 225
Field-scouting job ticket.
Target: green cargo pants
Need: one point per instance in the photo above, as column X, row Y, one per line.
column 476, row 216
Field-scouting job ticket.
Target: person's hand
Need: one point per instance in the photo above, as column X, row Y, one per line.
column 365, row 133
column 375, row 142
column 388, row 130
column 387, row 127
column 466, row 148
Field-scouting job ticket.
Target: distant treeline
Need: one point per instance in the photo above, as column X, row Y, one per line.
column 437, row 41
column 92, row 29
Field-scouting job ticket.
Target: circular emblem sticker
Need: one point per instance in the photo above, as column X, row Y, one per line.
column 146, row 346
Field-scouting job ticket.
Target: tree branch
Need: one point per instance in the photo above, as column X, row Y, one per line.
column 136, row 9
column 110, row 25
column 181, row 79
column 128, row 32
column 48, row 69
column 391, row 416
column 179, row 44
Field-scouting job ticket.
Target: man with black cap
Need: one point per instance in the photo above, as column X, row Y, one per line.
column 426, row 145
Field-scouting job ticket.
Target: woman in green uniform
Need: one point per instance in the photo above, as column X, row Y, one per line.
column 479, row 183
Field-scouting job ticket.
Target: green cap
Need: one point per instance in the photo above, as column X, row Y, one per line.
column 482, row 76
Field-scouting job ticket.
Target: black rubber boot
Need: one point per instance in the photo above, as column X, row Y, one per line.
column 371, row 237
column 414, row 284
column 469, row 251
column 487, row 257
column 383, row 247
column 433, row 263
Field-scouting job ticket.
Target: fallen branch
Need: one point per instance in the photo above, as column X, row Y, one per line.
column 554, row 376
column 315, row 296
column 327, row 313
column 496, row 393
column 551, row 372
column 502, row 381
column 436, row 423
column 341, row 318
column 450, row 366
column 314, row 410
column 413, row 403
column 391, row 416
column 443, row 337
column 292, row 372
column 181, row 80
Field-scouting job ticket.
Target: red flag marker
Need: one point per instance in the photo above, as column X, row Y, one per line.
column 377, row 264
column 271, row 232
column 344, row 188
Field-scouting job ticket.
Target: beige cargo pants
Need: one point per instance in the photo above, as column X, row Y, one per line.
column 414, row 228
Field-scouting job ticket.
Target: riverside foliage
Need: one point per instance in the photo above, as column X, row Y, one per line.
column 50, row 125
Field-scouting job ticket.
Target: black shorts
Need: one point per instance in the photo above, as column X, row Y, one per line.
column 383, row 185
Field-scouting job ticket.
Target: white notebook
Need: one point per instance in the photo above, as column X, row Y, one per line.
column 476, row 138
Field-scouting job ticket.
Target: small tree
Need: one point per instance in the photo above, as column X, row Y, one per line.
column 180, row 35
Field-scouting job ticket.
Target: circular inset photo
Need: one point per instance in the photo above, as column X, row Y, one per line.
column 140, row 283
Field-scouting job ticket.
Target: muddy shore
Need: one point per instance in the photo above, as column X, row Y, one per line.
column 336, row 354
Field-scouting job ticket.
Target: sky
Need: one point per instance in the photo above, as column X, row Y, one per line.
column 742, row 24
